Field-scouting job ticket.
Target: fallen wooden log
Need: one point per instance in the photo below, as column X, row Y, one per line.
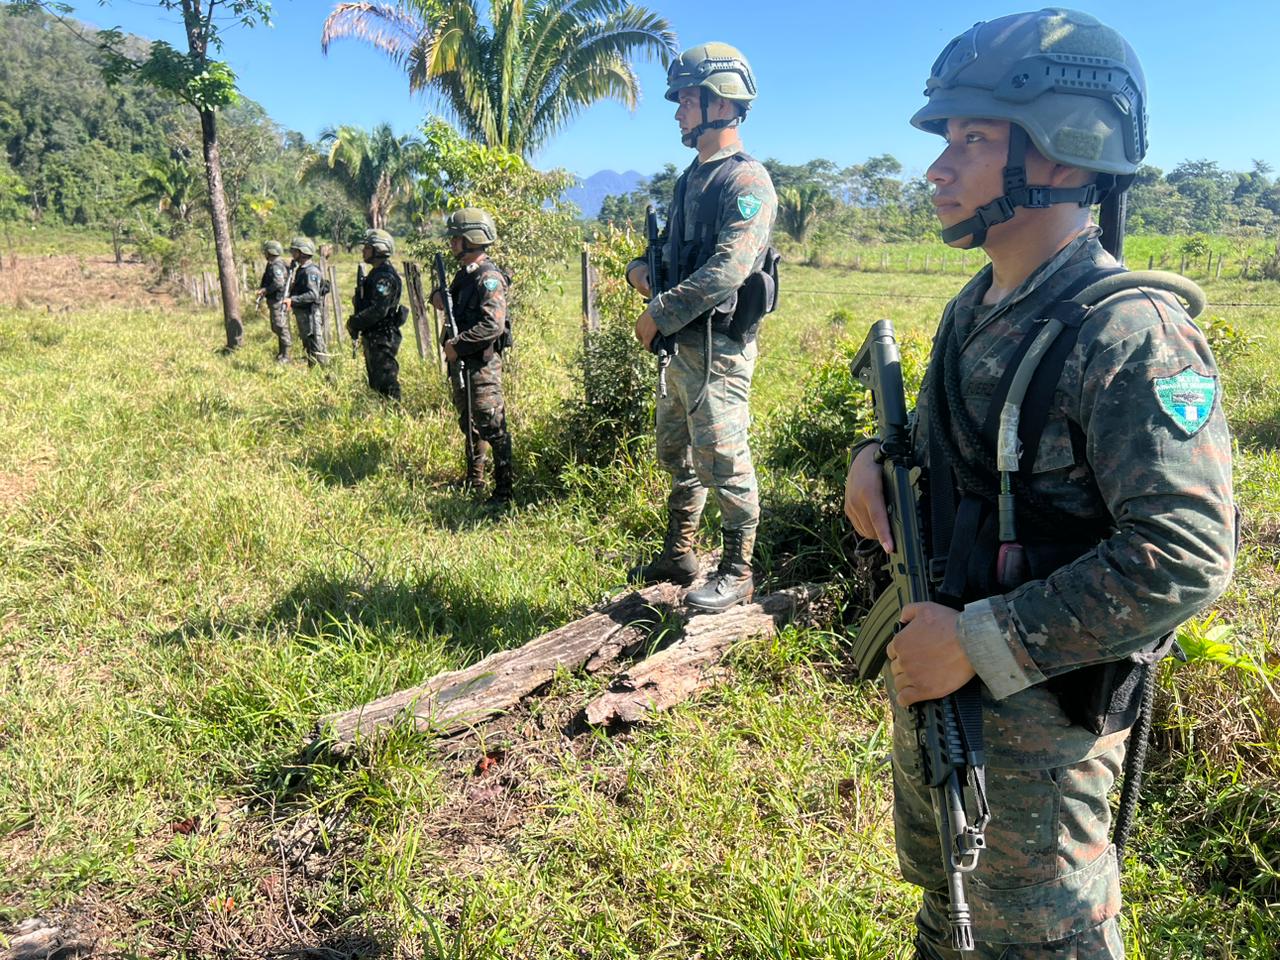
column 693, row 662
column 41, row 939
column 459, row 699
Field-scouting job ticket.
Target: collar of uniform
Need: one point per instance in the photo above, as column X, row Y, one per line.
column 1041, row 280
column 475, row 264
column 721, row 154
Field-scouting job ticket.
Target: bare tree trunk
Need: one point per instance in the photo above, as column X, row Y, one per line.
column 221, row 230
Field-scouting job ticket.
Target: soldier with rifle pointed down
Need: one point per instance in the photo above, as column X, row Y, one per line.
column 1058, row 503
column 274, row 287
column 306, row 299
column 717, row 278
column 378, row 315
column 477, row 332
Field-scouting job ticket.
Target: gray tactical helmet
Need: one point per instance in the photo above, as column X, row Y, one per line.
column 1072, row 83
column 380, row 240
column 473, row 225
column 272, row 248
column 1065, row 82
column 716, row 67
column 303, row 246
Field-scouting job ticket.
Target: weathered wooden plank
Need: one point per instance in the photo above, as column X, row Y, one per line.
column 693, row 662
column 41, row 939
column 456, row 700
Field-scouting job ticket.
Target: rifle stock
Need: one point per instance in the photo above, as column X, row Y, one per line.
column 461, row 376
column 950, row 748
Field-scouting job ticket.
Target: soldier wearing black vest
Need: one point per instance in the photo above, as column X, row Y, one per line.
column 306, row 300
column 273, row 287
column 719, row 276
column 1078, row 476
column 378, row 314
column 479, row 293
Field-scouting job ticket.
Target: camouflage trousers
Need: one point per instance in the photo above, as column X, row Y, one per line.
column 488, row 410
column 706, row 449
column 1048, row 885
column 311, row 328
column 380, row 364
column 279, row 319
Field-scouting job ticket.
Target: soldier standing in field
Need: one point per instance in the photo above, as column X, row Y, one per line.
column 717, row 238
column 1122, row 523
column 479, row 292
column 306, row 299
column 273, row 287
column 378, row 314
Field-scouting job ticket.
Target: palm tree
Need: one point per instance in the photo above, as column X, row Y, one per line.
column 171, row 185
column 800, row 208
column 376, row 169
column 519, row 78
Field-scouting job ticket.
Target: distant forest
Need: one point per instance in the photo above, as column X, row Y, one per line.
column 126, row 160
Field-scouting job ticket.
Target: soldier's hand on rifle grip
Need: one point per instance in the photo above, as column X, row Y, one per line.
column 437, row 300
column 646, row 329
column 926, row 658
column 450, row 352
column 864, row 502
column 638, row 277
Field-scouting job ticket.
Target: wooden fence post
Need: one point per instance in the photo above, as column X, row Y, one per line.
column 413, row 284
column 1182, row 267
column 1244, row 273
column 1151, row 262
column 590, row 310
column 884, row 259
column 1218, row 273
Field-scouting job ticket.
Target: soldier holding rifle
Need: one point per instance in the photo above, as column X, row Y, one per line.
column 477, row 300
column 720, row 280
column 1077, row 481
column 378, row 314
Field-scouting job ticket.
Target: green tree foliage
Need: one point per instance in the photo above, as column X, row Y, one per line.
column 512, row 76
column 800, row 207
column 171, row 187
column 375, row 169
column 624, row 210
column 536, row 229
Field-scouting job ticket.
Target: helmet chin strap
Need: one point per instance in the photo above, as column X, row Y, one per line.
column 1018, row 194
column 690, row 139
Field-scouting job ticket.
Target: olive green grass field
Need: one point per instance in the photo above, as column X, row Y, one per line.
column 201, row 555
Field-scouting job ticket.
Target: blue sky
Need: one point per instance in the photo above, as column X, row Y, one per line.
column 837, row 80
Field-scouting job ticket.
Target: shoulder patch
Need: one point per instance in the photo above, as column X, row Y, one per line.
column 492, row 283
column 383, row 286
column 749, row 205
column 1187, row 397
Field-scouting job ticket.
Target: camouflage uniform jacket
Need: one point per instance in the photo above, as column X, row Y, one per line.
column 305, row 291
column 378, row 299
column 1118, row 453
column 748, row 209
column 274, row 278
column 479, row 292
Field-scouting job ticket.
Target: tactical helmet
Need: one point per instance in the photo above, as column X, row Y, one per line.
column 303, row 246
column 272, row 248
column 716, row 67
column 380, row 240
column 473, row 225
column 1062, row 78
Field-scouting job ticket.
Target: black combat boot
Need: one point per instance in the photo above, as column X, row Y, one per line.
column 677, row 562
column 731, row 584
column 501, row 496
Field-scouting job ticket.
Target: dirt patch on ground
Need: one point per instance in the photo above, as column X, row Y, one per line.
column 64, row 282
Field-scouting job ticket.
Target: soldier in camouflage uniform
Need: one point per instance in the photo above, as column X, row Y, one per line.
column 702, row 425
column 273, row 287
column 1124, row 507
column 378, row 315
column 307, row 301
column 479, row 292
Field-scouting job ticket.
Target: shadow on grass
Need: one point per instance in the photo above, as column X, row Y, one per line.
column 348, row 463
column 344, row 946
column 1261, row 432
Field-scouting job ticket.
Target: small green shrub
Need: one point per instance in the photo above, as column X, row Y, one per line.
column 1229, row 343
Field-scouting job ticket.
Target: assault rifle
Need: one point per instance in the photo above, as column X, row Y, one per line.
column 948, row 731
column 1111, row 218
column 663, row 346
column 462, row 376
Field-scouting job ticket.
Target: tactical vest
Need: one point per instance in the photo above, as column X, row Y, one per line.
column 467, row 303
column 739, row 315
column 970, row 555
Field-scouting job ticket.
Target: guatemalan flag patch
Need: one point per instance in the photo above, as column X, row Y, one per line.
column 1188, row 398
